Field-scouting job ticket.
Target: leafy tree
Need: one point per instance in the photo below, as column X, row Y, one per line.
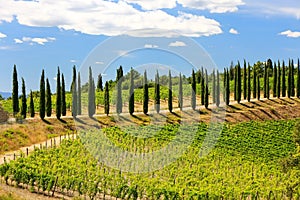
column 15, row 91
column 245, row 80
column 193, row 100
column 119, row 81
column 249, row 84
column 42, row 96
column 278, row 80
column 258, row 88
column 170, row 92
column 106, row 99
column 254, row 82
column 63, row 96
column 91, row 95
column 48, row 99
column 202, row 87
column 74, row 93
column 100, row 83
column 298, row 79
column 274, row 80
column 206, row 101
column 157, row 92
column 218, row 89
column 24, row 100
column 131, row 94
column 283, row 80
column 79, row 109
column 146, row 94
column 59, row 95
column 180, row 93
column 32, row 113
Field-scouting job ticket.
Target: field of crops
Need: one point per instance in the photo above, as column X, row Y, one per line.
column 246, row 162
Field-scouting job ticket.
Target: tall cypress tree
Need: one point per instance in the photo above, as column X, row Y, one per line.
column 254, row 82
column 206, row 101
column 42, row 96
column 119, row 80
column 24, row 100
column 218, row 89
column 74, row 93
column 170, row 92
column 180, row 93
column 100, row 83
column 224, row 84
column 32, row 112
column 15, row 91
column 202, row 87
column 258, row 88
column 268, row 83
column 265, row 80
column 227, row 87
column 79, row 109
column 245, row 80
column 235, row 83
column 213, row 86
column 283, row 80
column 106, row 99
column 157, row 92
column 59, row 95
column 63, row 96
column 289, row 80
column 91, row 97
column 239, row 83
column 292, row 79
column 193, row 83
column 48, row 99
column 249, row 84
column 146, row 94
column 278, row 80
column 274, row 80
column 298, row 79
column 131, row 93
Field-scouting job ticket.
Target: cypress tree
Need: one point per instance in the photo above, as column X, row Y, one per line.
column 193, row 100
column 146, row 94
column 74, row 93
column 48, row 99
column 213, row 86
column 106, row 99
column 274, row 80
column 119, row 80
column 224, row 84
column 100, row 83
column 59, row 95
column 265, row 80
column 227, row 87
column 131, row 94
column 258, row 88
column 32, row 113
column 170, row 99
column 24, row 100
column 42, row 96
column 249, row 84
column 289, row 80
column 91, row 96
column 15, row 91
column 180, row 93
column 202, row 86
column 239, row 83
column 268, row 84
column 157, row 93
column 206, row 101
column 283, row 80
column 218, row 89
column 278, row 80
column 245, row 80
column 235, row 83
column 198, row 76
column 292, row 79
column 79, row 109
column 254, row 82
column 63, row 96
column 298, row 79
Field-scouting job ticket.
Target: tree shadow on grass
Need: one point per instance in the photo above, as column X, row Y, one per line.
column 46, row 121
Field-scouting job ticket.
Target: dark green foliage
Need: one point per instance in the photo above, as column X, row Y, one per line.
column 224, row 84
column 206, row 100
column 265, row 80
column 274, row 80
column 170, row 92
column 218, row 89
column 15, row 91
column 289, row 90
column 202, row 87
column 119, row 80
column 283, row 80
column 59, row 95
column 79, row 109
column 100, row 83
column 254, row 82
column 180, row 93
column 245, row 80
column 131, row 93
column 258, row 88
column 298, row 79
column 146, row 94
column 91, row 95
column 48, row 99
column 235, row 83
column 106, row 99
column 198, row 76
column 42, row 96
column 269, row 68
column 31, row 106
column 249, row 84
column 292, row 79
column 213, row 86
column 24, row 100
column 74, row 93
column 63, row 96
column 227, row 100
column 278, row 80
column 193, row 100
column 157, row 93
column 239, row 83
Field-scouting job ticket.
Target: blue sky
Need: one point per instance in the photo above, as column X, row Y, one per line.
column 38, row 35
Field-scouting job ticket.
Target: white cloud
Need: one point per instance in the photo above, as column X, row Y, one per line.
column 99, row 63
column 73, row 61
column 2, row 35
column 55, row 78
column 31, row 41
column 95, row 17
column 289, row 33
column 150, row 46
column 154, row 4
column 177, row 44
column 233, row 31
column 18, row 41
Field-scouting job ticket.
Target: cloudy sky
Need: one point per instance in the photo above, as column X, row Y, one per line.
column 44, row 34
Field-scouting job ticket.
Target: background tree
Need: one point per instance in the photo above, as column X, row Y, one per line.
column 74, row 93
column 249, row 83
column 218, row 89
column 42, row 96
column 91, row 95
column 202, row 87
column 79, row 109
column 31, row 106
column 106, row 99
column 254, row 81
column 59, row 95
column 206, row 101
column 119, row 81
column 278, row 80
column 275, row 80
column 63, row 96
column 131, row 93
column 170, row 92
column 100, row 83
column 193, row 99
column 298, row 79
column 180, row 93
column 157, row 92
column 15, row 91
column 48, row 99
column 245, row 80
column 24, row 100
column 258, row 88
column 146, row 94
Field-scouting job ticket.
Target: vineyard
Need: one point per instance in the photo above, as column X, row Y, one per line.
column 247, row 162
